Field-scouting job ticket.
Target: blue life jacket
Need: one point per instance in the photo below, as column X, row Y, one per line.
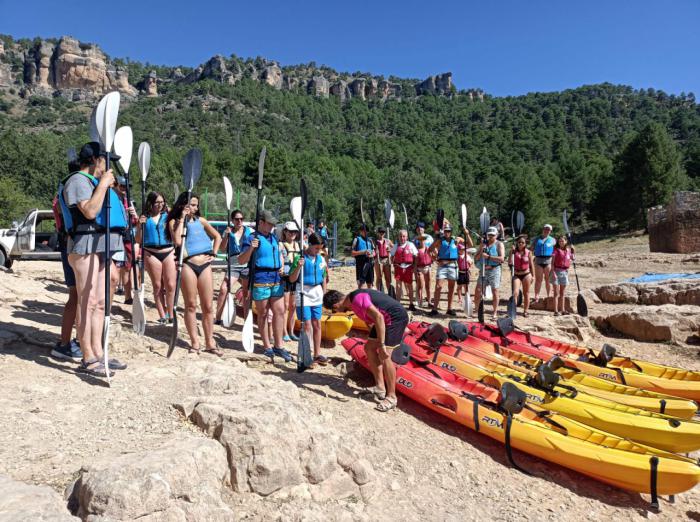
column 545, row 247
column 447, row 250
column 75, row 223
column 154, row 233
column 314, row 270
column 363, row 244
column 197, row 240
column 234, row 247
column 492, row 251
column 323, row 232
column 267, row 256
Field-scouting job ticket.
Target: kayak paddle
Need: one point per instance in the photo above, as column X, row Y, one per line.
column 144, row 165
column 484, row 224
column 229, row 313
column 248, row 337
column 191, row 171
column 106, row 121
column 581, row 306
column 304, row 357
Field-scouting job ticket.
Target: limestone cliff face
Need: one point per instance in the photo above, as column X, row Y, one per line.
column 73, row 70
column 79, row 71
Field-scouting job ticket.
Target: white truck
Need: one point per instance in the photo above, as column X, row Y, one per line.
column 34, row 238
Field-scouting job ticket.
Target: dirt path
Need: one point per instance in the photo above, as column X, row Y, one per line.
column 57, row 420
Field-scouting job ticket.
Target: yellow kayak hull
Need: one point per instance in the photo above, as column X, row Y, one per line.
column 333, row 326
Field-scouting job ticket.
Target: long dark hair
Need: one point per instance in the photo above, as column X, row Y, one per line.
column 176, row 212
column 151, row 202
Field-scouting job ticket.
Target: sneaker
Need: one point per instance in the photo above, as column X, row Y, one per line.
column 270, row 353
column 286, row 339
column 452, row 313
column 281, row 352
column 67, row 352
column 433, row 313
column 163, row 320
column 219, row 322
column 293, row 337
column 116, row 364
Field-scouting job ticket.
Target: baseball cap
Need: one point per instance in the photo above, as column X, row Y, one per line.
column 267, row 217
column 93, row 149
column 381, row 230
column 448, row 228
column 291, row 226
column 492, row 231
column 362, row 226
column 548, row 226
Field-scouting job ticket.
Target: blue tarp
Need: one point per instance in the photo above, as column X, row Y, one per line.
column 651, row 277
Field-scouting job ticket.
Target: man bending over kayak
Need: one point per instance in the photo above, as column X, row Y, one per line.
column 387, row 320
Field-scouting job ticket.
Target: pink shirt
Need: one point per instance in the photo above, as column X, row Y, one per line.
column 360, row 305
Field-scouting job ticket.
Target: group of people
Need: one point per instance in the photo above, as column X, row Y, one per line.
column 546, row 260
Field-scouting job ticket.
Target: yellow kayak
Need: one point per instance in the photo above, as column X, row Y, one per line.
column 333, row 326
column 652, row 429
column 357, row 323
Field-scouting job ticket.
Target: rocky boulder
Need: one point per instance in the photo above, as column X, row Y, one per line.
column 357, row 88
column 182, row 481
column 440, row 84
column 341, row 90
column 654, row 323
column 21, row 502
column 149, row 85
column 547, row 303
column 666, row 292
column 275, row 443
column 272, row 75
column 6, row 77
column 318, row 86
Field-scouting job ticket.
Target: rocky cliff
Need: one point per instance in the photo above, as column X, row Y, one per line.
column 80, row 71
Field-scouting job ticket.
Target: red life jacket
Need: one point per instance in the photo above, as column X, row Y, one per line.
column 463, row 263
column 381, row 248
column 424, row 258
column 562, row 258
column 521, row 260
column 403, row 254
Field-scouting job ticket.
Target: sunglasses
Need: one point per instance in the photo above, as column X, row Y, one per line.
column 238, row 219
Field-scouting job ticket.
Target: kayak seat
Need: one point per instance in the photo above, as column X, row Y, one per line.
column 546, row 378
column 605, row 355
column 457, row 331
column 435, row 336
column 512, row 398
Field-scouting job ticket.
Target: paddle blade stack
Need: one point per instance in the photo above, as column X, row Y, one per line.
column 144, row 160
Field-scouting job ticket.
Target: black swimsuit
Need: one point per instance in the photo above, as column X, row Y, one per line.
column 160, row 256
column 198, row 269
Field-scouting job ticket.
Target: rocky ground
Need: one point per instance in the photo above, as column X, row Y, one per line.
column 238, row 438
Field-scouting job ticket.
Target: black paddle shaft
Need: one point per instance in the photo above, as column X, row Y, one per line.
column 130, row 226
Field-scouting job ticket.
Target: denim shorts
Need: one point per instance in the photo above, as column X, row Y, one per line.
column 68, row 274
column 260, row 293
column 559, row 277
column 310, row 312
column 448, row 271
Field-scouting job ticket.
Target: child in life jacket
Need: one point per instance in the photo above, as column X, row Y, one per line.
column 404, row 257
column 423, row 263
column 559, row 277
column 464, row 263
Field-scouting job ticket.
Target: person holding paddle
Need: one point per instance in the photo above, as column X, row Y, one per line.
column 491, row 254
column 291, row 250
column 562, row 258
column 196, row 269
column 83, row 199
column 232, row 240
column 404, row 256
column 446, row 248
column 424, row 261
column 363, row 252
column 522, row 262
column 314, row 267
column 387, row 320
column 159, row 255
column 268, row 288
column 543, row 247
column 383, row 265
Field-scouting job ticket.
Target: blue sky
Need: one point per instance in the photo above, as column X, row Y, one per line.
column 506, row 47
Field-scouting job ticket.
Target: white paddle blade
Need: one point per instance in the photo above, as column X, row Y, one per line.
column 228, row 190
column 138, row 318
column 488, row 294
column 520, row 221
column 484, row 220
column 405, row 214
column 123, row 146
column 109, row 119
column 144, row 159
column 392, row 218
column 468, row 305
column 464, row 216
column 94, row 133
column 229, row 315
column 261, row 167
column 248, row 336
column 296, row 210
column 566, row 223
column 262, row 205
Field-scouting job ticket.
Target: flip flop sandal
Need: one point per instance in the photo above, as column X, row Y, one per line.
column 193, row 350
column 376, row 393
column 386, row 405
column 321, row 360
column 96, row 371
column 214, row 351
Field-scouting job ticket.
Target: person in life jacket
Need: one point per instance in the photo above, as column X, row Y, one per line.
column 521, row 260
column 291, row 250
column 363, row 251
column 404, row 256
column 543, row 247
column 424, row 261
column 445, row 246
column 232, row 243
column 268, row 287
column 83, row 199
column 159, row 255
column 490, row 254
column 67, row 348
column 123, row 260
column 387, row 320
column 200, row 242
column 561, row 259
column 314, row 266
column 464, row 264
column 383, row 265
column 420, row 233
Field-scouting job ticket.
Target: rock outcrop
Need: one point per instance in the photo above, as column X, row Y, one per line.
column 667, row 292
column 183, row 480
column 676, row 228
column 26, row 503
column 272, row 75
column 654, row 323
column 439, row 84
column 275, row 444
column 72, row 70
column 149, row 84
column 318, row 86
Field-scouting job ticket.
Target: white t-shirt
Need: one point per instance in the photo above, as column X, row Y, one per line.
column 411, row 248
